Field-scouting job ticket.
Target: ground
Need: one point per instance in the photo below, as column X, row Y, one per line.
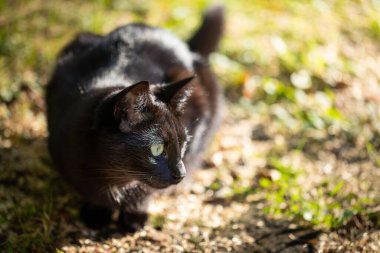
column 294, row 167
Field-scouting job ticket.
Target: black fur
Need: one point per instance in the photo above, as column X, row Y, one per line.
column 114, row 98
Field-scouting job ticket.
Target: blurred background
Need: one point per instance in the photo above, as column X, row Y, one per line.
column 296, row 160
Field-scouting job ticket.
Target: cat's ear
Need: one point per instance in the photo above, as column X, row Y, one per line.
column 131, row 103
column 174, row 94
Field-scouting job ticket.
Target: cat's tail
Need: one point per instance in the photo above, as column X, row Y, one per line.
column 207, row 37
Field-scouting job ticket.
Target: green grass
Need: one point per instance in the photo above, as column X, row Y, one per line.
column 326, row 205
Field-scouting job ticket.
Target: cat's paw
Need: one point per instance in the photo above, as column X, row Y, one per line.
column 130, row 222
column 95, row 216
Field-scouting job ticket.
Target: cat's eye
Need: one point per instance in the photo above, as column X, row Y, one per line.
column 157, row 149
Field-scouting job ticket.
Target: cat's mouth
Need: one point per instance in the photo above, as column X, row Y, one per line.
column 158, row 184
column 166, row 178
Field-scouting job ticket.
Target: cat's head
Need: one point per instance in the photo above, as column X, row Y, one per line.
column 148, row 140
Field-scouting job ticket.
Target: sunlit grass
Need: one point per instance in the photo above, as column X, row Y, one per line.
column 325, row 205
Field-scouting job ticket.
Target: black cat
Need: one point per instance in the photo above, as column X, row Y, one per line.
column 127, row 112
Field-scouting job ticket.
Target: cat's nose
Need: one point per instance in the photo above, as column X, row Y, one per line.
column 180, row 172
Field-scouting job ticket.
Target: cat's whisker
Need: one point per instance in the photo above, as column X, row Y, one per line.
column 128, row 172
column 106, row 188
column 125, row 173
column 122, row 172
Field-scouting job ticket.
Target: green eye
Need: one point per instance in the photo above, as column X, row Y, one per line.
column 157, row 149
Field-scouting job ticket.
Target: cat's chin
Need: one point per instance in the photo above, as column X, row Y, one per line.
column 157, row 186
column 147, row 186
column 154, row 185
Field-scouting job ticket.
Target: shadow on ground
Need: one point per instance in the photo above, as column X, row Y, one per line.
column 35, row 202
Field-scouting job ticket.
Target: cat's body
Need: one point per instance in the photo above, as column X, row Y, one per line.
column 117, row 131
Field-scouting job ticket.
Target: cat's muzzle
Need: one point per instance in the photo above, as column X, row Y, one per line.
column 168, row 177
column 179, row 173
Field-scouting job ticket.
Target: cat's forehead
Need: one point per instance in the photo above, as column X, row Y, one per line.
column 169, row 127
column 161, row 112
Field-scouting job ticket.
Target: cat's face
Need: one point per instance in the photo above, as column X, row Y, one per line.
column 157, row 149
column 150, row 141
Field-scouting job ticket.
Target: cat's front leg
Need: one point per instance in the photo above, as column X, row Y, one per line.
column 132, row 221
column 96, row 216
column 133, row 214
